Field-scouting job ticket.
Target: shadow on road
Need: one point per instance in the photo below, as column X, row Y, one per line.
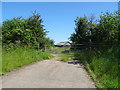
column 75, row 62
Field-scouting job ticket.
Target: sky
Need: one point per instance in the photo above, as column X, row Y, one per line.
column 60, row 0
column 58, row 17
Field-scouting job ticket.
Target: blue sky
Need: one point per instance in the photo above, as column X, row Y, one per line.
column 58, row 17
column 60, row 0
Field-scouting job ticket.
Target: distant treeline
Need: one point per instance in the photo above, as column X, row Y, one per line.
column 25, row 32
column 106, row 30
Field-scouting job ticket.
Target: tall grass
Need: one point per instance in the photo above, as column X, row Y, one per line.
column 102, row 65
column 0, row 59
column 14, row 58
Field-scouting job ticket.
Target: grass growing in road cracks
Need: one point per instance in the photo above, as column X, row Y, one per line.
column 102, row 66
column 64, row 53
column 65, row 58
column 18, row 57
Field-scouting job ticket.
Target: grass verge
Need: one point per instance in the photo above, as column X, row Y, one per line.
column 102, row 65
column 14, row 58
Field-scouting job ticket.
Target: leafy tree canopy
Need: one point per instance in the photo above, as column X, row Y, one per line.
column 24, row 32
column 105, row 31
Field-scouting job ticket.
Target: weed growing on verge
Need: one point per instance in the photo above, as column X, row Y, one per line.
column 102, row 66
column 18, row 57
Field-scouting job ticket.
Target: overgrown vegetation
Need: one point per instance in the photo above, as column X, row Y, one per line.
column 65, row 58
column 23, row 42
column 25, row 32
column 101, row 52
column 101, row 65
column 105, row 31
column 14, row 58
column 64, row 53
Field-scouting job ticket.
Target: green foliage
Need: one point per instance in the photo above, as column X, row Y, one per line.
column 108, row 28
column 65, row 58
column 102, row 66
column 80, row 31
column 57, row 50
column 14, row 58
column 105, row 31
column 20, row 38
column 101, row 59
column 25, row 32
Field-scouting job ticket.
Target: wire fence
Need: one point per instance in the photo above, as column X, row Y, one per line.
column 88, row 46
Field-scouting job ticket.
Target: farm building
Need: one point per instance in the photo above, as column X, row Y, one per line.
column 63, row 44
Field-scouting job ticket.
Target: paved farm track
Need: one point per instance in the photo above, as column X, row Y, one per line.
column 48, row 74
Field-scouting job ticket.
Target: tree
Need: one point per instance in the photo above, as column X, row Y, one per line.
column 13, row 30
column 25, row 32
column 108, row 28
column 80, row 30
column 106, row 31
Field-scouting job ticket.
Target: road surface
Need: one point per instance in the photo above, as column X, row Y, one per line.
column 48, row 74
